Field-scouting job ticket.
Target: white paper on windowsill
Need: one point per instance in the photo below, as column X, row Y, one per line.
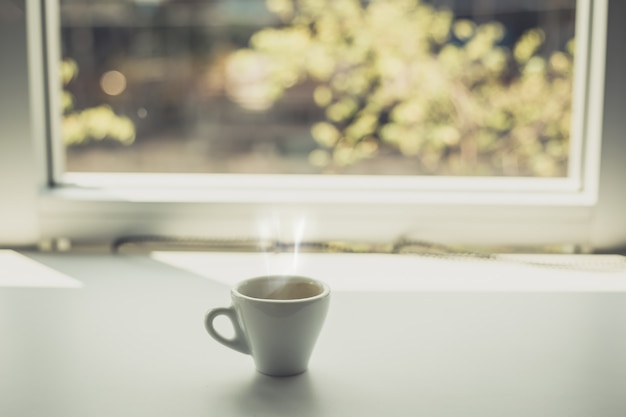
column 382, row 272
column 17, row 270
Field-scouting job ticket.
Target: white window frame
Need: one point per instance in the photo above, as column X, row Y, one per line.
column 584, row 210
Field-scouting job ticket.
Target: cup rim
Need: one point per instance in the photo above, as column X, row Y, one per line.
column 325, row 289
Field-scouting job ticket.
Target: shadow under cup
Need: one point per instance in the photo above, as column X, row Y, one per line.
column 276, row 319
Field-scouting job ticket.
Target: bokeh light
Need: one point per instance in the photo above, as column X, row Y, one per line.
column 113, row 83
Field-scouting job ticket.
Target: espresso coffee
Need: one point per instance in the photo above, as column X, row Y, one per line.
column 277, row 289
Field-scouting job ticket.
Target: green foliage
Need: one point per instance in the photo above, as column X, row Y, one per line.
column 406, row 77
column 96, row 123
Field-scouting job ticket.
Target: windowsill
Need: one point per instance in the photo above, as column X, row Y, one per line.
column 299, row 189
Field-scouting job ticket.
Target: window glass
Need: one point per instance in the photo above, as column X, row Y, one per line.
column 374, row 87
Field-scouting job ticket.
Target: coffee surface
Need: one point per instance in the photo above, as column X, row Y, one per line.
column 280, row 289
column 294, row 291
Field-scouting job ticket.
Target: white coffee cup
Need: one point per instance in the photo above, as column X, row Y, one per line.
column 276, row 320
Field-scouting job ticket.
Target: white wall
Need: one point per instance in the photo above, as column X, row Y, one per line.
column 609, row 227
column 18, row 170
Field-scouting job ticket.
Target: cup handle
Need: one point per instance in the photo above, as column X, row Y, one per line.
column 239, row 342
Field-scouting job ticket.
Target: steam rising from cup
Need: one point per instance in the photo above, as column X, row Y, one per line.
column 275, row 228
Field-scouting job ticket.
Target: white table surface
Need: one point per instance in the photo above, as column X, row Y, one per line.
column 102, row 335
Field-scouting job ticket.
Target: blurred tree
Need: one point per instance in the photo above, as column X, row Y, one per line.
column 407, row 77
column 96, row 123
